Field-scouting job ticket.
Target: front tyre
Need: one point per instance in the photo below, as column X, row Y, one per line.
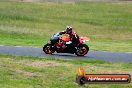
column 82, row 50
column 48, row 49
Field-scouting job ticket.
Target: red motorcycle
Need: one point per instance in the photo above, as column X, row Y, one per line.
column 62, row 44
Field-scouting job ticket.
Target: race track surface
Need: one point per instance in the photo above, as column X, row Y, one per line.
column 92, row 55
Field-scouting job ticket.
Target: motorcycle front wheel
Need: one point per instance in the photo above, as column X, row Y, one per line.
column 82, row 50
column 48, row 49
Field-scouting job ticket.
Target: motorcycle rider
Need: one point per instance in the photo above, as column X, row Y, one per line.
column 73, row 36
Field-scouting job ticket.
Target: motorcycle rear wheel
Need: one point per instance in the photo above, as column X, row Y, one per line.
column 82, row 50
column 48, row 49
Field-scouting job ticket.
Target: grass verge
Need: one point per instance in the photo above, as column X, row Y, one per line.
column 33, row 72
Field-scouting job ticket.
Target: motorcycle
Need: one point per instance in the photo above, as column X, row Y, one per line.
column 62, row 44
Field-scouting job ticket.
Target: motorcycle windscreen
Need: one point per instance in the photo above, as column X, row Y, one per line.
column 55, row 36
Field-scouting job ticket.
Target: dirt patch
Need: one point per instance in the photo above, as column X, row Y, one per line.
column 28, row 0
column 30, row 74
column 101, row 70
column 45, row 64
column 41, row 64
column 113, row 71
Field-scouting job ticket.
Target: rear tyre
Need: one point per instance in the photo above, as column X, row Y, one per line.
column 48, row 49
column 82, row 50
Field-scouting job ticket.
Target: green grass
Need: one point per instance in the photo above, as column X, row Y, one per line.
column 31, row 24
column 33, row 72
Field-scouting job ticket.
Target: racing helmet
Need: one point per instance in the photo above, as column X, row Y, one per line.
column 68, row 29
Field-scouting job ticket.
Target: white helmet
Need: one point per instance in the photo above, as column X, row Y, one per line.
column 68, row 29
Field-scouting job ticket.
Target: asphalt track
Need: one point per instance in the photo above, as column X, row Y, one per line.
column 92, row 55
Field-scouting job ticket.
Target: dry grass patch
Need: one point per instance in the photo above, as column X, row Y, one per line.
column 93, row 69
column 45, row 64
column 26, row 73
column 42, row 63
